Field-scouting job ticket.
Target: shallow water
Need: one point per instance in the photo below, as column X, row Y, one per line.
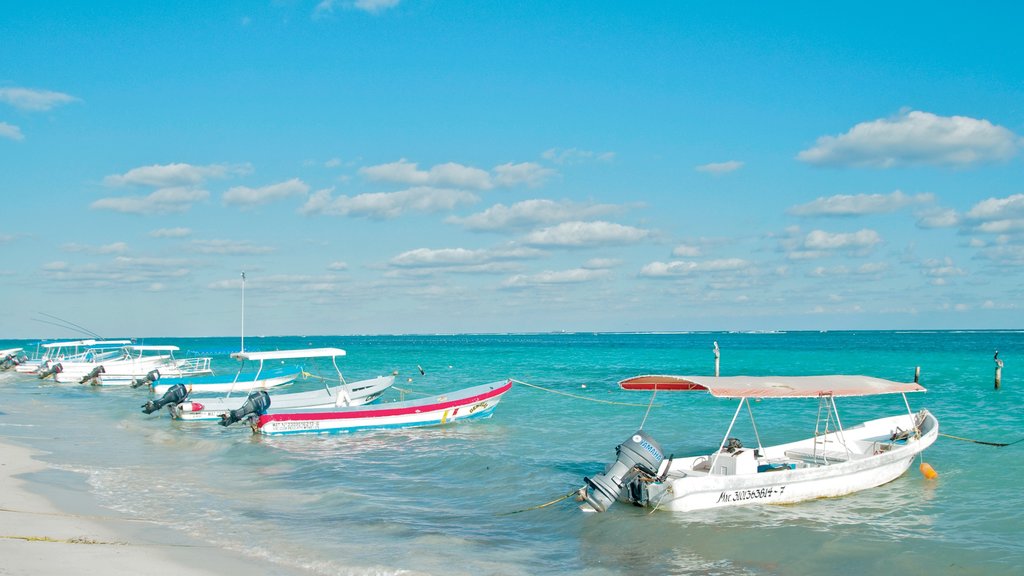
column 436, row 500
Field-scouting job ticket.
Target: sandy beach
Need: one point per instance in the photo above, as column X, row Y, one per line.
column 37, row 537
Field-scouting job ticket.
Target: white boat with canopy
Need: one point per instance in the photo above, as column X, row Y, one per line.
column 133, row 362
column 335, row 390
column 50, row 353
column 834, row 461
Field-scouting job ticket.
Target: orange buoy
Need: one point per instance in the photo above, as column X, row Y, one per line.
column 928, row 471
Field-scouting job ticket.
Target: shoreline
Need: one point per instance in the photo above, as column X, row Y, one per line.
column 39, row 534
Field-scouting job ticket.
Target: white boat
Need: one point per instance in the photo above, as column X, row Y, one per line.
column 833, row 462
column 133, row 362
column 184, row 405
column 70, row 350
column 466, row 404
column 11, row 358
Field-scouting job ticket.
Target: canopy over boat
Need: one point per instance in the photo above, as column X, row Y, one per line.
column 82, row 343
column 154, row 348
column 289, row 354
column 773, row 386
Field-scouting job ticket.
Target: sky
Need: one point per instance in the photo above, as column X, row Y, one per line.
column 429, row 166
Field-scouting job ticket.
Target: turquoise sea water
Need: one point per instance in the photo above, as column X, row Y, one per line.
column 434, row 500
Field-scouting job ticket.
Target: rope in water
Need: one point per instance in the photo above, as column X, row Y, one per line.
column 544, row 505
column 996, row 444
column 576, row 395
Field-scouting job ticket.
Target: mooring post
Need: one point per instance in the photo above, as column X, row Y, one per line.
column 718, row 356
column 917, row 375
column 999, row 370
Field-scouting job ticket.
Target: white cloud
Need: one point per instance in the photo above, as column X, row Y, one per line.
column 173, row 175
column 686, row 251
column 821, row 240
column 576, row 156
column 998, row 208
column 227, row 247
column 337, row 266
column 553, row 277
column 245, row 196
column 34, row 100
column 10, row 131
column 376, row 6
column 164, row 201
column 446, row 257
column 938, row 218
column 114, row 248
column 585, row 234
column 529, row 213
column 171, row 233
column 686, row 268
column 915, row 138
column 449, row 174
column 454, row 175
column 528, row 173
column 859, row 204
column 383, row 205
column 720, row 167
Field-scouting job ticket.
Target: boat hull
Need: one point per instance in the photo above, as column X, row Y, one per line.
column 472, row 403
column 362, row 392
column 819, row 475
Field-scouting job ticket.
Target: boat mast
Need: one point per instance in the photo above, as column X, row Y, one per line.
column 242, row 346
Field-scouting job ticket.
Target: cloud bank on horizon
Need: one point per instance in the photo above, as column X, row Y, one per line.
column 400, row 185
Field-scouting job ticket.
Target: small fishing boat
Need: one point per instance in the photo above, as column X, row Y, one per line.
column 180, row 395
column 469, row 403
column 833, row 462
column 133, row 362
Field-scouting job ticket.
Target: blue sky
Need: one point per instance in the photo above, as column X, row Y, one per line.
column 394, row 166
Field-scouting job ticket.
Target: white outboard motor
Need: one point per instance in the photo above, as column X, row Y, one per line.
column 257, row 403
column 639, row 454
column 174, row 395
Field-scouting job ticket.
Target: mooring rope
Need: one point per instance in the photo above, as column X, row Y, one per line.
column 576, row 395
column 544, row 505
column 996, row 444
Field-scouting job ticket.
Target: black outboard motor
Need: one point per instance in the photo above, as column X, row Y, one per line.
column 49, row 370
column 151, row 377
column 639, row 454
column 175, row 395
column 256, row 403
column 93, row 375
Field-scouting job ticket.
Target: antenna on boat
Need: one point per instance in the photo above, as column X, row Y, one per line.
column 242, row 345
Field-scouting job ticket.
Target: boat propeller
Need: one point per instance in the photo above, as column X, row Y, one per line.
column 639, row 454
column 256, row 403
column 50, row 370
column 174, row 395
column 93, row 375
column 149, row 378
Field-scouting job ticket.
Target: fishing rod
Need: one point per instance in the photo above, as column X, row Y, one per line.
column 66, row 327
column 68, row 324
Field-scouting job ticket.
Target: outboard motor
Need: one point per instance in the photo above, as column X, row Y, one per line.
column 151, row 377
column 7, row 362
column 50, row 369
column 256, row 403
column 639, row 454
column 174, row 395
column 92, row 375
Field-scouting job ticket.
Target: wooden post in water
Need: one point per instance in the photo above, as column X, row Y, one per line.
column 999, row 370
column 717, row 358
column 917, row 375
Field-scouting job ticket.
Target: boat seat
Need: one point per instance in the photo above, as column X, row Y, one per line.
column 819, row 456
